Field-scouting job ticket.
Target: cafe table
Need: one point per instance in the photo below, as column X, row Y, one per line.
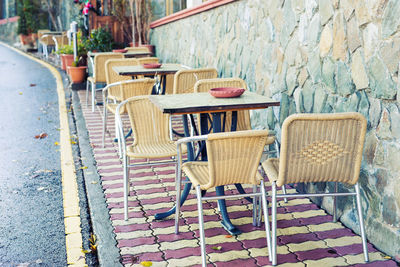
column 140, row 70
column 205, row 104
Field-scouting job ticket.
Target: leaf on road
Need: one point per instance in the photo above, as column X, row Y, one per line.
column 32, row 85
column 83, row 167
column 146, row 263
column 216, row 248
column 41, row 188
column 228, row 236
column 20, row 93
column 41, row 136
column 93, row 182
column 56, row 143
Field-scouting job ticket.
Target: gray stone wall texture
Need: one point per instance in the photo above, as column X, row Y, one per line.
column 314, row 56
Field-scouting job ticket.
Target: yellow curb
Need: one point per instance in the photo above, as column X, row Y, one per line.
column 75, row 256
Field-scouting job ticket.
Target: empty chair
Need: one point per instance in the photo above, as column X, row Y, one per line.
column 145, row 60
column 47, row 42
column 99, row 73
column 111, row 75
column 233, row 158
column 243, row 116
column 60, row 40
column 151, row 131
column 119, row 91
column 318, row 148
column 184, row 80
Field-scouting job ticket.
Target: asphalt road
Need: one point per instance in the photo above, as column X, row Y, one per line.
column 31, row 211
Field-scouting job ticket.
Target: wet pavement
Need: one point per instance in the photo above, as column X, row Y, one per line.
column 32, row 220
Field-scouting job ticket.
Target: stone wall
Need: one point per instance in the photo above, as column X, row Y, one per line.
column 314, row 56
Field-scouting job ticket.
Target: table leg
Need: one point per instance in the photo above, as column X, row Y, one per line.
column 226, row 222
column 188, row 186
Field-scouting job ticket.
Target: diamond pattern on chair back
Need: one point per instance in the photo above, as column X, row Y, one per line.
column 321, row 147
column 100, row 65
column 234, row 157
column 184, row 80
column 148, row 123
column 243, row 117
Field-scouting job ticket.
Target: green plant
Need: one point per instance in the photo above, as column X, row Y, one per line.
column 27, row 11
column 69, row 49
column 100, row 40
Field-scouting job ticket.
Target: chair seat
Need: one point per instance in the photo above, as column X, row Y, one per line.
column 113, row 108
column 157, row 150
column 198, row 173
column 271, row 168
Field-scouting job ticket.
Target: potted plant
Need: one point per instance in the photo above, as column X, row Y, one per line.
column 100, row 40
column 66, row 53
column 77, row 71
column 28, row 22
column 141, row 18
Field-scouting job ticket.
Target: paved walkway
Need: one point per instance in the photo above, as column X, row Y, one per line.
column 306, row 234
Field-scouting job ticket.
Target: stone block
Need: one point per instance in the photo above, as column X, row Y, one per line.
column 347, row 7
column 391, row 18
column 314, row 31
column 381, row 82
column 390, row 53
column 369, row 147
column 320, row 97
column 314, row 67
column 361, row 11
column 326, row 40
column 343, row 79
column 339, row 50
column 326, row 10
column 358, row 72
column 328, row 74
column 353, row 35
column 371, row 40
column 308, row 96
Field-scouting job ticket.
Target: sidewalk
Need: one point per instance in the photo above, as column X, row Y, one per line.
column 306, row 234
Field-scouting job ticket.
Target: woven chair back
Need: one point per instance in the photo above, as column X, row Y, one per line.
column 111, row 75
column 145, row 60
column 243, row 116
column 234, row 157
column 136, row 87
column 137, row 49
column 149, row 125
column 61, row 40
column 47, row 39
column 321, row 148
column 100, row 65
column 184, row 80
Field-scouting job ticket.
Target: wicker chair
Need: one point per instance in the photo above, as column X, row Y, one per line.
column 151, row 131
column 184, row 80
column 243, row 117
column 60, row 40
column 137, row 49
column 233, row 158
column 318, row 148
column 47, row 42
column 111, row 75
column 99, row 73
column 118, row 92
column 144, row 60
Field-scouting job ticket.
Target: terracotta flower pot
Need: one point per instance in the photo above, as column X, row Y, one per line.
column 26, row 39
column 77, row 74
column 66, row 60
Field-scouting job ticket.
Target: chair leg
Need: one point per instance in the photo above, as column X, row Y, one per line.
column 361, row 220
column 103, row 137
column 118, row 136
column 201, row 227
column 255, row 207
column 266, row 219
column 87, row 92
column 284, row 191
column 273, row 235
column 126, row 185
column 93, row 95
column 178, row 179
column 335, row 203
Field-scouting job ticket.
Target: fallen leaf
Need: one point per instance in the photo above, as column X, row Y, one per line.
column 20, row 93
column 32, row 85
column 83, row 167
column 73, row 142
column 94, row 182
column 387, row 257
column 86, row 251
column 146, row 263
column 228, row 236
column 216, row 248
column 41, row 136
column 41, row 188
column 56, row 143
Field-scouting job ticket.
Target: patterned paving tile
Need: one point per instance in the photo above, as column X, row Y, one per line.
column 306, row 234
